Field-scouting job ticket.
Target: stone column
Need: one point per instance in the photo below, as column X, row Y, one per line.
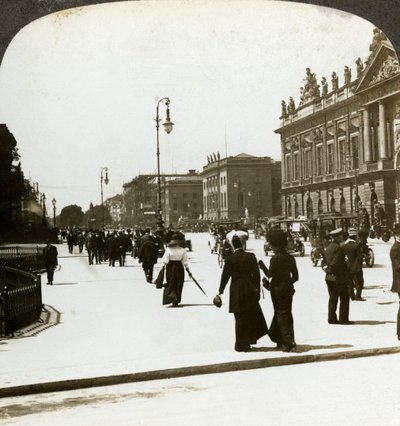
column 382, row 131
column 366, row 136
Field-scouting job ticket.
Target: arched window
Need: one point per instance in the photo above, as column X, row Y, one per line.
column 289, row 208
column 320, row 206
column 333, row 205
column 296, row 209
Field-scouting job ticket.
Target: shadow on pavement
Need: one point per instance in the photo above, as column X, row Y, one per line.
column 184, row 305
column 65, row 284
column 307, row 348
column 386, row 303
column 374, row 287
column 373, row 322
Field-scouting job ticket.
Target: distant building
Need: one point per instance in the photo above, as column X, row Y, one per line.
column 140, row 197
column 340, row 146
column 182, row 198
column 115, row 206
column 243, row 186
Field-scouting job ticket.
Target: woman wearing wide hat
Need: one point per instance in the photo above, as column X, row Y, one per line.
column 174, row 260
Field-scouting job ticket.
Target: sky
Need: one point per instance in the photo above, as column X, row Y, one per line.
column 79, row 88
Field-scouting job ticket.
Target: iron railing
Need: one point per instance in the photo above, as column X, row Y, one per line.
column 20, row 299
column 22, row 257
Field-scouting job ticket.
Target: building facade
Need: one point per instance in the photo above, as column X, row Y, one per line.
column 340, row 146
column 181, row 196
column 241, row 187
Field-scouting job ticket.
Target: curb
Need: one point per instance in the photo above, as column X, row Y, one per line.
column 68, row 385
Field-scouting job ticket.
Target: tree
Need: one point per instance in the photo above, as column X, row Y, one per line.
column 94, row 216
column 71, row 216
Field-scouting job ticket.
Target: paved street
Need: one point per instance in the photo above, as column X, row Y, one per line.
column 112, row 321
column 347, row 392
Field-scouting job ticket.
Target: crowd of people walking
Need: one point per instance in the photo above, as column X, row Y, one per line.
column 342, row 265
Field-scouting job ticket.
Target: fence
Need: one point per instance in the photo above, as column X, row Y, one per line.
column 20, row 299
column 26, row 258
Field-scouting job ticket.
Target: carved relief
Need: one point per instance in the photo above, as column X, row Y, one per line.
column 388, row 68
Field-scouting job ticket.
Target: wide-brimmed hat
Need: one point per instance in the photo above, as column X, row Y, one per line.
column 336, row 232
column 176, row 239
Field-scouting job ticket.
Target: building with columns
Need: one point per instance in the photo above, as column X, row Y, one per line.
column 241, row 187
column 340, row 145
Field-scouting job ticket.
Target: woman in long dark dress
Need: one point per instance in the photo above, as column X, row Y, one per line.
column 244, row 296
column 283, row 273
column 175, row 260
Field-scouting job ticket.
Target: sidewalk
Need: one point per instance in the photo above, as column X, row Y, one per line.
column 114, row 329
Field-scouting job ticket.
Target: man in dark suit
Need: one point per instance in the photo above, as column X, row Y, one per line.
column 148, row 256
column 50, row 260
column 395, row 259
column 244, row 294
column 337, row 279
column 354, row 260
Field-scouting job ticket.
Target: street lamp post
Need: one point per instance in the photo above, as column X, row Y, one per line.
column 53, row 201
column 105, row 169
column 44, row 207
column 168, row 128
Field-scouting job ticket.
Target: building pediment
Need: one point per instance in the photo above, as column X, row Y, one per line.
column 382, row 65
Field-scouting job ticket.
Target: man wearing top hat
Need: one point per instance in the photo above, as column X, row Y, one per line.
column 337, row 279
column 395, row 259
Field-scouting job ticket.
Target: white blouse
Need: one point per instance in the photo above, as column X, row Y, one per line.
column 175, row 253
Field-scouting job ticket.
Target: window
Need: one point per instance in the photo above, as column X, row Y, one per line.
column 320, row 167
column 342, row 155
column 296, row 166
column 288, row 165
column 354, row 146
column 330, row 158
column 185, row 195
column 225, row 199
column 307, row 163
column 175, row 206
column 194, row 195
column 240, row 199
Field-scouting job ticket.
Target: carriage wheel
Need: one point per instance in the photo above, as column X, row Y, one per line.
column 370, row 258
column 220, row 260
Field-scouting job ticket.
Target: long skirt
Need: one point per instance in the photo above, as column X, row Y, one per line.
column 175, row 275
column 250, row 326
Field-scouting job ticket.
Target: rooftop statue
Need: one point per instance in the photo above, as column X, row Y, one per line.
column 284, row 110
column 291, row 106
column 347, row 75
column 360, row 67
column 324, row 85
column 335, row 81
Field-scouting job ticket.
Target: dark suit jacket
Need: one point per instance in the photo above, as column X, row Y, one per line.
column 334, row 255
column 352, row 250
column 243, row 270
column 395, row 258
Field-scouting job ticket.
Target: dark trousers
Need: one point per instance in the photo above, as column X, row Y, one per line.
column 148, row 271
column 122, row 257
column 281, row 330
column 50, row 273
column 358, row 282
column 338, row 291
column 90, row 256
column 70, row 248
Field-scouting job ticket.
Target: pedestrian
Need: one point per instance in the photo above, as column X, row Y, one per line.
column 113, row 249
column 395, row 259
column 70, row 242
column 337, row 279
column 283, row 273
column 354, row 260
column 175, row 260
column 148, row 256
column 244, row 296
column 50, row 261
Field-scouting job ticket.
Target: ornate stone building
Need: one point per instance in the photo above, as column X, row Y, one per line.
column 241, row 187
column 340, row 146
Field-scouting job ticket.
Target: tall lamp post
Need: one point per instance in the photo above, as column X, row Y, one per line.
column 103, row 169
column 168, row 128
column 53, row 201
column 43, row 199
